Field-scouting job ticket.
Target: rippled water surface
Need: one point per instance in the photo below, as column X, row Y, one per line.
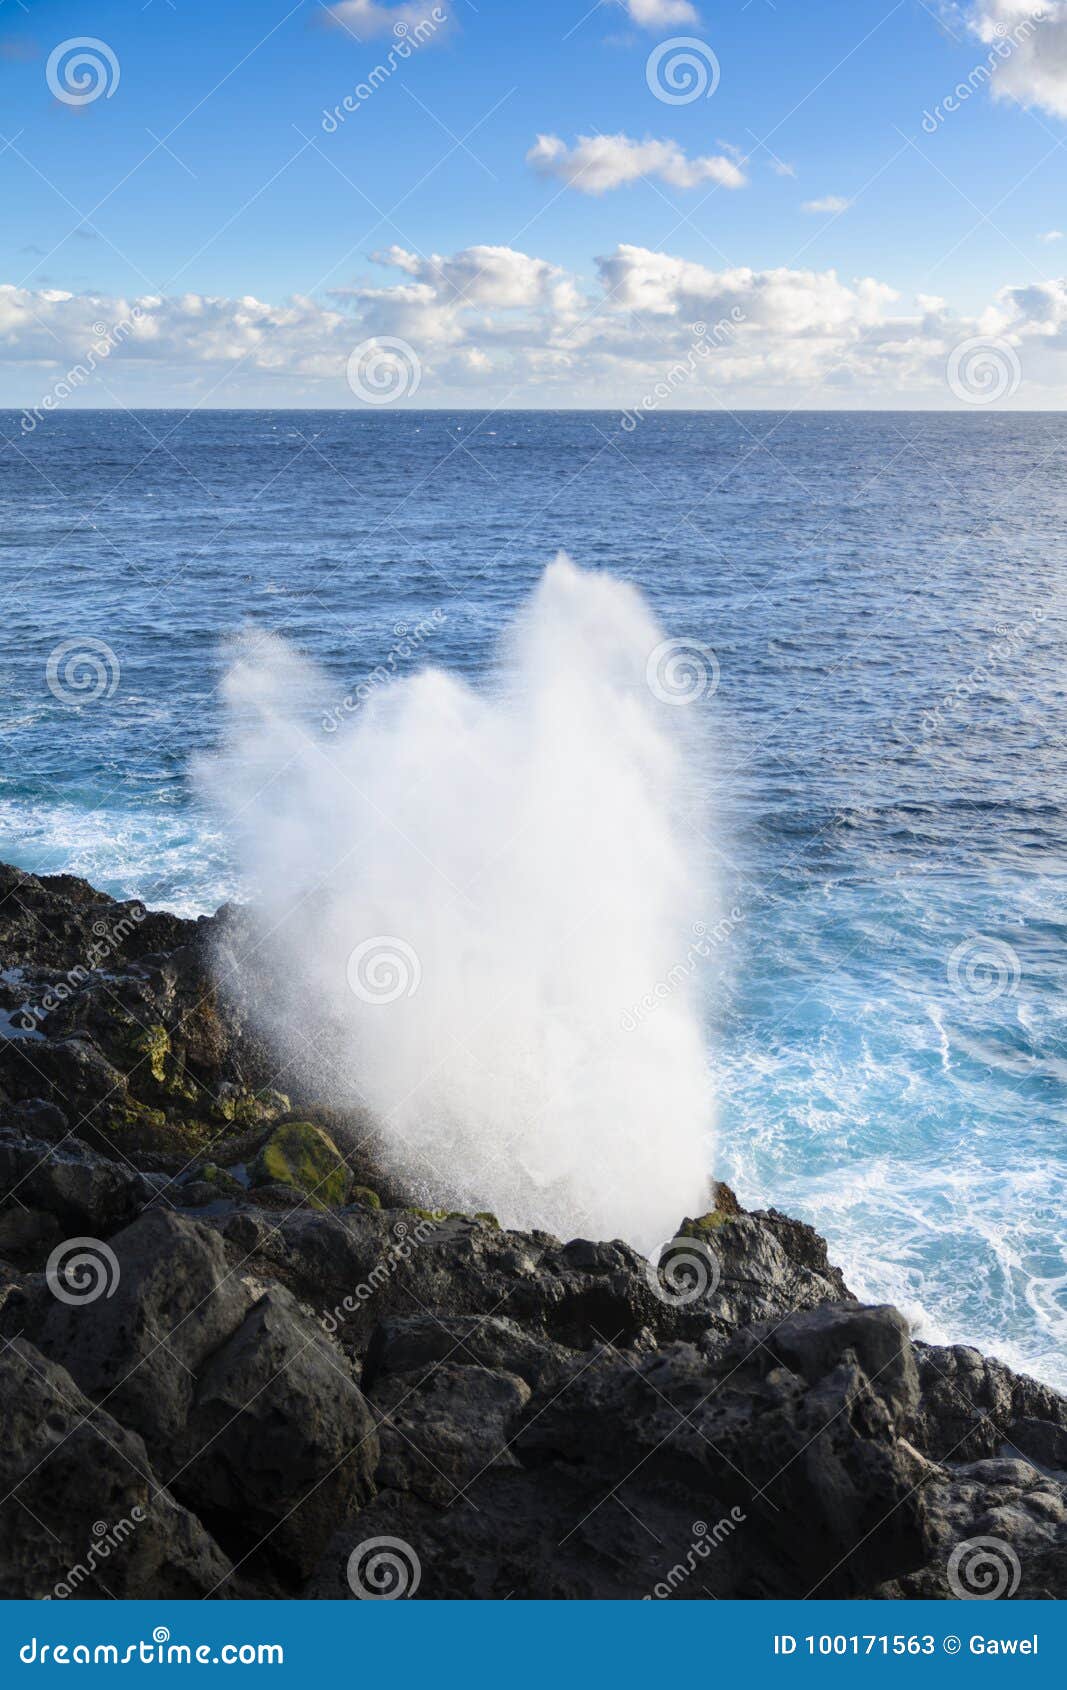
column 884, row 596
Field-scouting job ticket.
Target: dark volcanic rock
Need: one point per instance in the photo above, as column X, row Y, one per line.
column 70, row 1182
column 635, row 1450
column 97, row 1520
column 279, row 1435
column 440, row 1430
column 973, row 1406
column 996, row 1529
column 58, row 922
column 139, row 1348
column 263, row 1387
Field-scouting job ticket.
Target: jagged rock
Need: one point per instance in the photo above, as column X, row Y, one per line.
column 631, row 1452
column 532, row 1416
column 70, row 1182
column 279, row 1434
column 302, row 1155
column 1018, row 1516
column 172, row 1303
column 973, row 1406
column 58, row 922
column 416, row 1343
column 26, row 1232
column 85, row 1514
column 442, row 1428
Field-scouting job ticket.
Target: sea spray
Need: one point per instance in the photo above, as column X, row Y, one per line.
column 459, row 893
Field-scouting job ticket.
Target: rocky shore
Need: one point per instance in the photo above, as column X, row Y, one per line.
column 238, row 1359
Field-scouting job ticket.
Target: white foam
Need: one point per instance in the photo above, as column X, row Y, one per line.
column 516, row 852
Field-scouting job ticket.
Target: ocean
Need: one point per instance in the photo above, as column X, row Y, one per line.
column 882, row 593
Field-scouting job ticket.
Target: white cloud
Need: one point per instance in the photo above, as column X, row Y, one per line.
column 656, row 14
column 830, row 203
column 598, row 163
column 493, row 325
column 366, row 19
column 785, row 301
column 1035, row 312
column 1027, row 59
column 480, row 275
column 1051, row 235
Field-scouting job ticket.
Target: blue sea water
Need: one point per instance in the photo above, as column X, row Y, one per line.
column 884, row 597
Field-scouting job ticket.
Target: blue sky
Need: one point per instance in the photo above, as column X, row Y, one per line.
column 207, row 173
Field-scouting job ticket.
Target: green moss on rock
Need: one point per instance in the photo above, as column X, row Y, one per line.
column 704, row 1224
column 363, row 1194
column 136, row 1117
column 302, row 1155
column 153, row 1043
column 221, row 1178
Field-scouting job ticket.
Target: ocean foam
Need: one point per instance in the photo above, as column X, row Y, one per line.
column 463, row 893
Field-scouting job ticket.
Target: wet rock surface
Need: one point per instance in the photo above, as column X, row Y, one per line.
column 235, row 1354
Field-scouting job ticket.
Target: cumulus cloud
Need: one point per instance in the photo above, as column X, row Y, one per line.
column 494, row 325
column 598, row 163
column 656, row 14
column 366, row 19
column 830, row 203
column 1051, row 235
column 1027, row 59
column 789, row 302
column 480, row 275
column 1035, row 312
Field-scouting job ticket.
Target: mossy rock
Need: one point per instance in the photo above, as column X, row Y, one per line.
column 220, row 1178
column 153, row 1043
column 135, row 1126
column 363, row 1194
column 704, row 1225
column 252, row 1109
column 151, row 1047
column 488, row 1217
column 133, row 1117
column 302, row 1155
column 726, row 1200
column 271, row 1104
column 430, row 1214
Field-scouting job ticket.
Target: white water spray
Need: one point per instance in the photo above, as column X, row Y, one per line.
column 461, row 896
